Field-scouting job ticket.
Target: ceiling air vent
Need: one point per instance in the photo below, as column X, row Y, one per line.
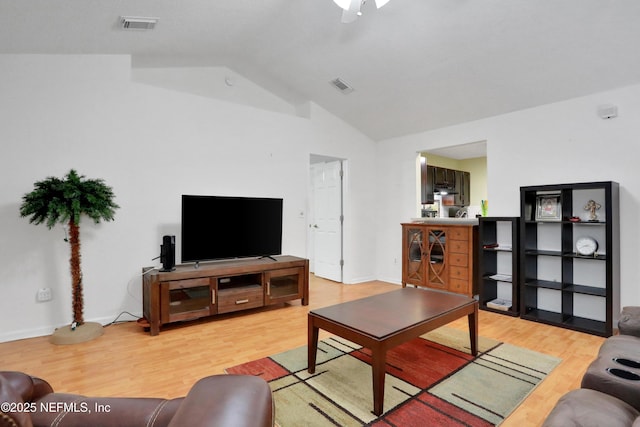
column 342, row 86
column 137, row 23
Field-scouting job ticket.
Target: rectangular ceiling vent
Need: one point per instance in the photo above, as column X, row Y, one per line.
column 342, row 86
column 138, row 23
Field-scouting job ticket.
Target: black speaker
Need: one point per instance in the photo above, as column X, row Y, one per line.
column 168, row 253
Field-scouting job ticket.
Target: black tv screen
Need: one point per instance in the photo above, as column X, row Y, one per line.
column 217, row 227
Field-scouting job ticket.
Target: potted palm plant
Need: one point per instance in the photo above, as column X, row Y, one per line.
column 64, row 201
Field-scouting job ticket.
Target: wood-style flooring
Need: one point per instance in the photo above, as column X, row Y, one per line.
column 127, row 361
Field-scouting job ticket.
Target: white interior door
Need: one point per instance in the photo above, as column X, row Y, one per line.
column 327, row 223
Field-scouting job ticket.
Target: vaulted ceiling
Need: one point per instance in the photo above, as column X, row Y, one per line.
column 414, row 65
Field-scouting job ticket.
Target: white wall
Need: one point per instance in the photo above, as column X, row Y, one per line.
column 213, row 82
column 151, row 145
column 564, row 142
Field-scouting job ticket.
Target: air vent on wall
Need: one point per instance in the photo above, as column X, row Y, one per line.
column 138, row 23
column 342, row 86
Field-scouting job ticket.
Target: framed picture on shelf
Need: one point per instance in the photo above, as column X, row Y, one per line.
column 548, row 207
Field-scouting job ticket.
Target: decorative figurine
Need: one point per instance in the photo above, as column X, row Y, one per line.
column 592, row 207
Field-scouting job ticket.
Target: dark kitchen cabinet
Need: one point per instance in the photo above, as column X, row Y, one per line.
column 437, row 180
column 444, row 178
column 462, row 188
column 426, row 183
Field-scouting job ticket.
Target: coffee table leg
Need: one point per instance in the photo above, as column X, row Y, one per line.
column 378, row 365
column 312, row 345
column 473, row 330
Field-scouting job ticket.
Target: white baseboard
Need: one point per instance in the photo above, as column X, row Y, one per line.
column 392, row 280
column 48, row 330
column 355, row 280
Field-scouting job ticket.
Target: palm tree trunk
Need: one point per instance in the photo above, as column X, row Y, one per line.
column 76, row 273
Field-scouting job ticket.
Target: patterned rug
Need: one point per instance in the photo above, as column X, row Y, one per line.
column 432, row 380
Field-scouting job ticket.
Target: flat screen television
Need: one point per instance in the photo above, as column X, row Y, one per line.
column 218, row 227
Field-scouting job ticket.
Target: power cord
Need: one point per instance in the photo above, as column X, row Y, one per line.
column 145, row 271
column 123, row 321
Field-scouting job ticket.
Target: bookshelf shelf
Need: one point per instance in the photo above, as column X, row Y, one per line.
column 498, row 265
column 559, row 286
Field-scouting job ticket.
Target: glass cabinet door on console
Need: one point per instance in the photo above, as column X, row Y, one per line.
column 437, row 265
column 414, row 251
column 284, row 284
column 186, row 299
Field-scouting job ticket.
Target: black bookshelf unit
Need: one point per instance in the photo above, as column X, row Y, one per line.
column 559, row 286
column 498, row 265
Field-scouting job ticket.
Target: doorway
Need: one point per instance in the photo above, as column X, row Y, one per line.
column 469, row 157
column 326, row 219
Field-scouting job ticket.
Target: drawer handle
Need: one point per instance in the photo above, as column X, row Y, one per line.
column 242, row 301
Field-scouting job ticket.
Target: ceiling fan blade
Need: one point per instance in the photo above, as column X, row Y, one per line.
column 344, row 4
column 351, row 14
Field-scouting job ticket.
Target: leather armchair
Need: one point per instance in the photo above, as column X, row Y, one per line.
column 219, row 400
column 610, row 389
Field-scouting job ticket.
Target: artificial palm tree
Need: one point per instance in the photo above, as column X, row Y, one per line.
column 64, row 201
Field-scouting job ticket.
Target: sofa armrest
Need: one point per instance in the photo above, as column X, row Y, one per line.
column 219, row 400
column 227, row 400
column 17, row 388
column 29, row 388
column 73, row 410
column 585, row 407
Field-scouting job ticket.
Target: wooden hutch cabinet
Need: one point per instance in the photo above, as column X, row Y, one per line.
column 439, row 255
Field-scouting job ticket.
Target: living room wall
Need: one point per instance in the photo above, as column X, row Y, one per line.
column 563, row 142
column 153, row 144
column 150, row 145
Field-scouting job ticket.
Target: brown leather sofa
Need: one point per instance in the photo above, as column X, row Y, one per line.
column 610, row 389
column 219, row 400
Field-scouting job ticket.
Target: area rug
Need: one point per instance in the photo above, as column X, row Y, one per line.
column 432, row 380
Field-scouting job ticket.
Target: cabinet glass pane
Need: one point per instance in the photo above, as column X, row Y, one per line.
column 416, row 249
column 281, row 286
column 437, row 261
column 189, row 299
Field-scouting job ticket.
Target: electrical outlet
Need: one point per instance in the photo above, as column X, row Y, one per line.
column 44, row 294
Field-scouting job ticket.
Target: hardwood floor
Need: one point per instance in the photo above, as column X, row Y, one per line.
column 126, row 361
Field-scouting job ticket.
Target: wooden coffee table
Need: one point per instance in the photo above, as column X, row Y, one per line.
column 383, row 321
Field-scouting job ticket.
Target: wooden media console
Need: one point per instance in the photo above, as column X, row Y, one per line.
column 193, row 291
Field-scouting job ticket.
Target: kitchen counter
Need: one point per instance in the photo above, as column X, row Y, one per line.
column 446, row 221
